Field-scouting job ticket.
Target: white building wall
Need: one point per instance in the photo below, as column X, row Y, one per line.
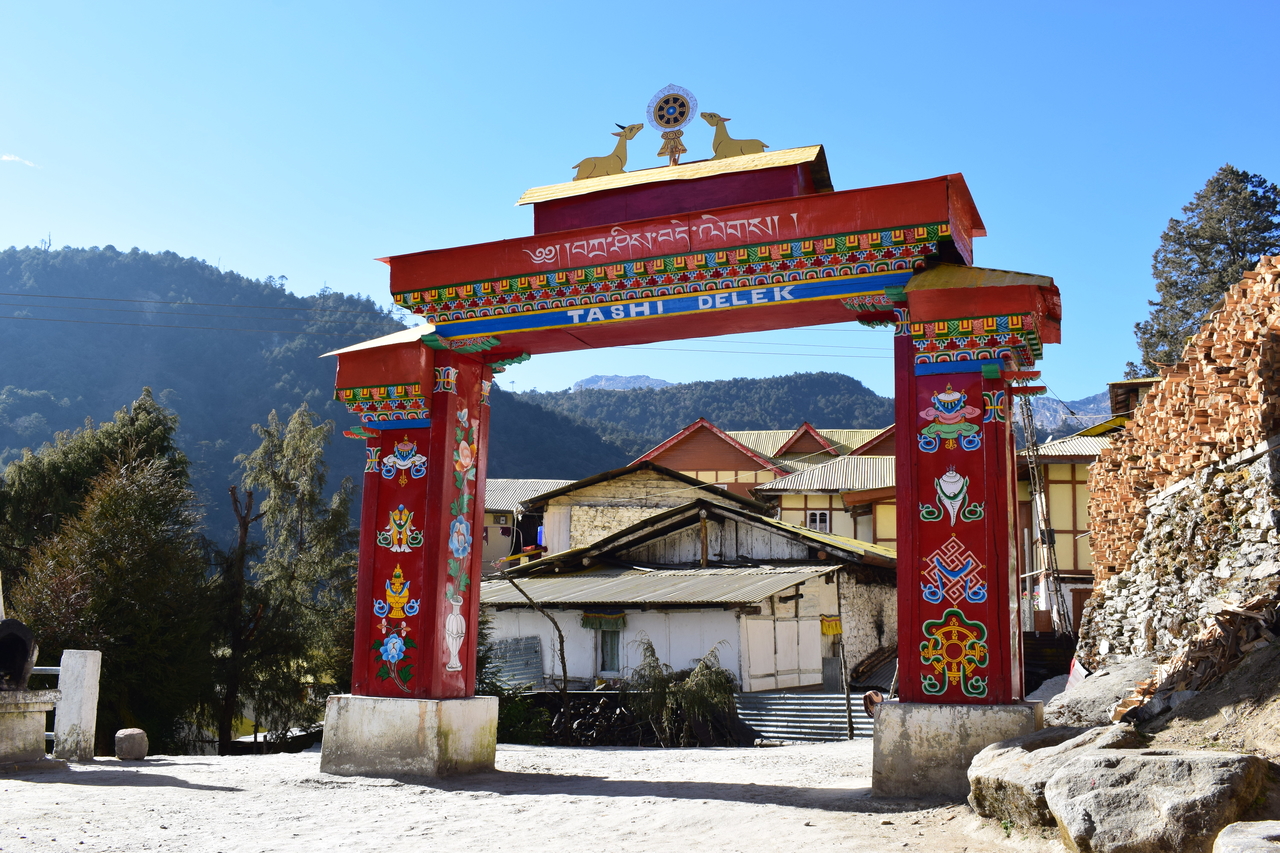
column 679, row 638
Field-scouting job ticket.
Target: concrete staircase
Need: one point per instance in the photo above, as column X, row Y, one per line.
column 802, row 716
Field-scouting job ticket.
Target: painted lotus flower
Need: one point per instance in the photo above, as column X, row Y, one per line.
column 392, row 649
column 460, row 537
column 466, row 456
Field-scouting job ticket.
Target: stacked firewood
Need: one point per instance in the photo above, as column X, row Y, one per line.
column 1227, row 636
column 1217, row 401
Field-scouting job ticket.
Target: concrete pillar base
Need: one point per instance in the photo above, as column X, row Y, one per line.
column 375, row 736
column 22, row 716
column 924, row 750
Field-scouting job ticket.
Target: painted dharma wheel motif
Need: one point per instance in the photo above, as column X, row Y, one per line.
column 672, row 108
column 955, row 649
column 672, row 111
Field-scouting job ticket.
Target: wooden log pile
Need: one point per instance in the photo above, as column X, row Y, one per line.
column 1218, row 400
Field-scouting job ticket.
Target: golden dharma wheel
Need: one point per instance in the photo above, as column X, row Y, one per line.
column 672, row 111
column 672, row 108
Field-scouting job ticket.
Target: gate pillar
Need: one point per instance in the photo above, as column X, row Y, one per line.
column 424, row 418
column 962, row 335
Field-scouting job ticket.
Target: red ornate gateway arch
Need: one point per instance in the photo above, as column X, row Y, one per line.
column 739, row 244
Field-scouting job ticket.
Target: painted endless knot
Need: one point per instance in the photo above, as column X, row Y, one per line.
column 947, row 423
column 955, row 648
column 953, row 570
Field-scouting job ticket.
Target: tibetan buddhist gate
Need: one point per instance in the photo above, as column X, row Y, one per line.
column 732, row 244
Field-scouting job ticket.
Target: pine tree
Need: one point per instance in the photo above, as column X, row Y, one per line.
column 287, row 606
column 44, row 487
column 126, row 576
column 1229, row 224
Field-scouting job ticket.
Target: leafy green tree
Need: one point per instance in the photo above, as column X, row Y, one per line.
column 287, row 605
column 43, row 488
column 126, row 576
column 1227, row 226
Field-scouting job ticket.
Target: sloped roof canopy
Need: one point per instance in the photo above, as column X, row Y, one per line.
column 628, row 585
column 506, row 495
column 704, row 424
column 806, row 439
column 880, row 444
column 695, row 486
column 613, row 548
column 843, row 474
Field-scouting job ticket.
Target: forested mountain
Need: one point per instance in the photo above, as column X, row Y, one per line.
column 639, row 418
column 82, row 331
column 620, row 383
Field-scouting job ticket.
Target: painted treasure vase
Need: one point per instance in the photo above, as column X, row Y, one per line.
column 455, row 631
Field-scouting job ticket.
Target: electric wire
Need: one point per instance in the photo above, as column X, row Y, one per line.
column 291, row 332
column 172, row 313
column 200, row 304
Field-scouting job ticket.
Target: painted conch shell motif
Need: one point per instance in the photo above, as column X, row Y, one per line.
column 953, row 496
column 947, row 422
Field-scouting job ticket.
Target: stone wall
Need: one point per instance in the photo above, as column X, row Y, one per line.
column 613, row 505
column 1218, row 401
column 868, row 616
column 1210, row 541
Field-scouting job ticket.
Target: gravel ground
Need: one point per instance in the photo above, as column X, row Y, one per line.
column 541, row 798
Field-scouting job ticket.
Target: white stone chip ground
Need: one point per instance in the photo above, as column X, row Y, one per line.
column 805, row 796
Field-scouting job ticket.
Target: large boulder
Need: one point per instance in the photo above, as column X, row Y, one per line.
column 1150, row 801
column 1089, row 703
column 1254, row 836
column 1007, row 779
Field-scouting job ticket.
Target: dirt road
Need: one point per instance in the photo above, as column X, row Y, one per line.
column 809, row 796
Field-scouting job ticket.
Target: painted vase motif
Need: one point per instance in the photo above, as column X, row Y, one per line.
column 455, row 630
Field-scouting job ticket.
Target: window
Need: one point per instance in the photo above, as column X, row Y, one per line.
column 610, row 644
column 819, row 521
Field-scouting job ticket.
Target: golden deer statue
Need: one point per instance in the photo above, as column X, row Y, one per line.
column 725, row 146
column 611, row 164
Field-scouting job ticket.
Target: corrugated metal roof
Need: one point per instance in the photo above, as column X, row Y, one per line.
column 767, row 441
column 627, row 585
column 843, row 474
column 685, row 172
column 506, row 495
column 1074, row 445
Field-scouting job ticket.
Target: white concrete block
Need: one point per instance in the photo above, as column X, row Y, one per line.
column 75, row 724
column 924, row 750
column 375, row 736
column 22, row 714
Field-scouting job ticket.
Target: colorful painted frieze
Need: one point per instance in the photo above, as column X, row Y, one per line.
column 745, row 268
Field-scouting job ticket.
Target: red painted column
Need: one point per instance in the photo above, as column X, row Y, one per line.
column 958, row 634
column 417, row 599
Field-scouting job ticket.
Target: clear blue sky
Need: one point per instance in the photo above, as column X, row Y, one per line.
column 307, row 139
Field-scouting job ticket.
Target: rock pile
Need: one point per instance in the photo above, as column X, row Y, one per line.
column 1205, row 555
